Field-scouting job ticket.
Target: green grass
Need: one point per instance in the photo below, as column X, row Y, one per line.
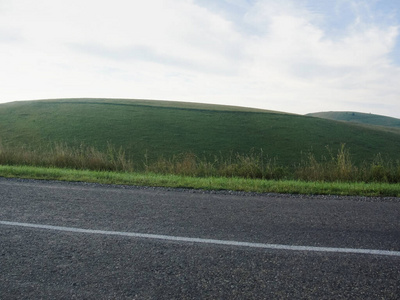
column 193, row 145
column 208, row 183
column 337, row 167
column 150, row 130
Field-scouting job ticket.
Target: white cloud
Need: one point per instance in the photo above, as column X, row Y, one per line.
column 308, row 70
column 177, row 49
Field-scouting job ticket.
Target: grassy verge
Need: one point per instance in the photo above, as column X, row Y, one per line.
column 337, row 167
column 206, row 183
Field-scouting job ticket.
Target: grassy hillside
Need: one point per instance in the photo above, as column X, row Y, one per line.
column 157, row 128
column 356, row 117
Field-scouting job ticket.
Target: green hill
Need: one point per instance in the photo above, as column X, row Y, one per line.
column 163, row 128
column 356, row 117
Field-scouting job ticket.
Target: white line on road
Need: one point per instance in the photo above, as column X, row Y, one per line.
column 205, row 241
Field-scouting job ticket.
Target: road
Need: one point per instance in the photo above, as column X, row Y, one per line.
column 87, row 241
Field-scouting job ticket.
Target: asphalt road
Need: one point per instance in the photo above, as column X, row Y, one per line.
column 90, row 245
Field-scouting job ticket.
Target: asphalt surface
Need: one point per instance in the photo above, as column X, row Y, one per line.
column 39, row 263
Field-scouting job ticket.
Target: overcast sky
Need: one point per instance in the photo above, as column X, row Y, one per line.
column 295, row 56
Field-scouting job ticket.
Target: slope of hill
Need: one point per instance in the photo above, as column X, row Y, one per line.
column 151, row 129
column 356, row 117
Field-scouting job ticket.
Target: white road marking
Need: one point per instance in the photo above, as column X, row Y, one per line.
column 205, row 241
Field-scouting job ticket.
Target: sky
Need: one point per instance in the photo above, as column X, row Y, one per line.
column 297, row 56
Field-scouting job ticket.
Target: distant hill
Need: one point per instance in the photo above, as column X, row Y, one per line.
column 147, row 130
column 356, row 117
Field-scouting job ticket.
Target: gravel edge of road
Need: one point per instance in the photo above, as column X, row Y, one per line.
column 213, row 192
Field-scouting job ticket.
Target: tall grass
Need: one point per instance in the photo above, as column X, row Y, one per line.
column 62, row 156
column 340, row 168
column 250, row 165
column 335, row 167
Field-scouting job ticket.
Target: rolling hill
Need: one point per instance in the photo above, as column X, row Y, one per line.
column 154, row 129
column 356, row 117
